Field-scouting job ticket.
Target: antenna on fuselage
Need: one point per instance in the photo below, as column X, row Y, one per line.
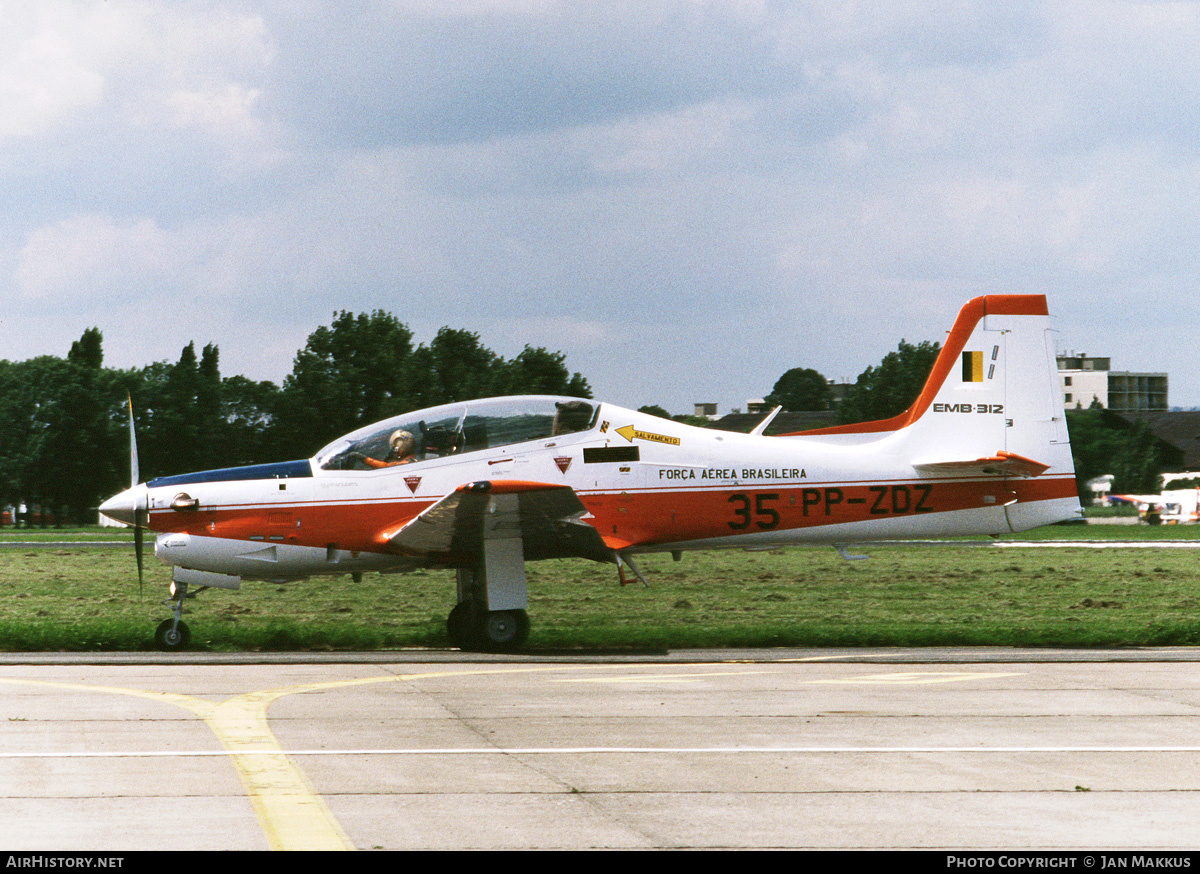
column 762, row 426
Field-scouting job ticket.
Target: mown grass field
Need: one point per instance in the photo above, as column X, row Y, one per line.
column 82, row 599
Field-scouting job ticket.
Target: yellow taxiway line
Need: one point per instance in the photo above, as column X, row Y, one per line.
column 291, row 812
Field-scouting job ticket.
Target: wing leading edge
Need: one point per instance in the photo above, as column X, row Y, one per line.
column 548, row 518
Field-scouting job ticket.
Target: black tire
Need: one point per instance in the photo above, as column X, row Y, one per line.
column 170, row 637
column 460, row 626
column 503, row 630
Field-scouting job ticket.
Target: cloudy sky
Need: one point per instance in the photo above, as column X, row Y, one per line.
column 687, row 197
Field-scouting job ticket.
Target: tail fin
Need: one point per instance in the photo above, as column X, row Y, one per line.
column 992, row 406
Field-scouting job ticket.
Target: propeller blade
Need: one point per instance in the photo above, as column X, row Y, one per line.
column 137, row 551
column 139, row 514
column 134, row 474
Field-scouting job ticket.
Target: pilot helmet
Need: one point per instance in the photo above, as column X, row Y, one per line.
column 403, row 443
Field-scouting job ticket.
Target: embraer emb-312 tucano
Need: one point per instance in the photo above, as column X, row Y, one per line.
column 485, row 486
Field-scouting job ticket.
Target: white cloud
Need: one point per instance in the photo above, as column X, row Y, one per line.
column 623, row 181
column 45, row 73
column 669, row 143
column 93, row 256
column 228, row 108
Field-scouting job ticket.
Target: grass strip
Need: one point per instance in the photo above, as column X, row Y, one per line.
column 86, row 599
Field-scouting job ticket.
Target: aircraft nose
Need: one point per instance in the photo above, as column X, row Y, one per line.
column 123, row 507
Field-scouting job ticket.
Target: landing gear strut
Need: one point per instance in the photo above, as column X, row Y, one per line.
column 492, row 595
column 173, row 634
column 471, row 626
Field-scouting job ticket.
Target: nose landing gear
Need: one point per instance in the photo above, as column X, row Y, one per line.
column 173, row 634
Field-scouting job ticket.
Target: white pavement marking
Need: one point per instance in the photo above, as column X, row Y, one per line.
column 574, row 751
column 292, row 813
column 911, row 678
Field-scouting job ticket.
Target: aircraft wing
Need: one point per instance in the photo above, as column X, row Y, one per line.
column 547, row 517
column 1138, row 499
column 1001, row 464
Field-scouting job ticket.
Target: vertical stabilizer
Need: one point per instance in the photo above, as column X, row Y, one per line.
column 992, row 407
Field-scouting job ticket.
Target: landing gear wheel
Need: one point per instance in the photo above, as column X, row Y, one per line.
column 169, row 636
column 503, row 630
column 460, row 626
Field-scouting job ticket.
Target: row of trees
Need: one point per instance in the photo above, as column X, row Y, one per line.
column 64, row 422
column 880, row 392
column 1103, row 442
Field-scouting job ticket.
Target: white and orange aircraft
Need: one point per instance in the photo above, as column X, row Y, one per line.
column 484, row 486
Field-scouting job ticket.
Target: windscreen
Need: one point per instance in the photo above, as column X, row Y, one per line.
column 455, row 429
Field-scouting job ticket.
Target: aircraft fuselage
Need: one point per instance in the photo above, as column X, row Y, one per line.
column 485, row 485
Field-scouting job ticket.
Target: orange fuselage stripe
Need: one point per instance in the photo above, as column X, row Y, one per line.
column 641, row 517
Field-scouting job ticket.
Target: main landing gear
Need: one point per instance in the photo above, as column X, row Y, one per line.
column 492, row 597
column 472, row 626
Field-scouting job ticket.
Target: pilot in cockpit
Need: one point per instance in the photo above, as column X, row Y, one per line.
column 570, row 417
column 403, row 451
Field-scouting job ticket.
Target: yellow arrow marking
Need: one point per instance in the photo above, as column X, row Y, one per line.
column 629, row 433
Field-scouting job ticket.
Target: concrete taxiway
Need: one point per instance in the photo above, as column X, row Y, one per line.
column 978, row 749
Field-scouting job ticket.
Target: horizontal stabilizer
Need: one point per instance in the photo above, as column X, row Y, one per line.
column 548, row 519
column 1001, row 464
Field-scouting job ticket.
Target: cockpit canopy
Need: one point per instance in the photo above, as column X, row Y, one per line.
column 452, row 429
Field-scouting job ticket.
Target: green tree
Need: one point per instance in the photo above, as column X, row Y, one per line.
column 174, row 435
column 354, row 372
column 208, row 411
column 71, row 456
column 890, row 388
column 87, row 351
column 18, row 432
column 64, row 425
column 182, row 411
column 189, row 418
column 654, row 410
column 1103, row 442
column 364, row 368
column 247, row 415
column 801, row 389
column 179, row 413
column 536, row 371
column 454, row 367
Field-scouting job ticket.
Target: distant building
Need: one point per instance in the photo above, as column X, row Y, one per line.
column 707, row 411
column 1086, row 379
